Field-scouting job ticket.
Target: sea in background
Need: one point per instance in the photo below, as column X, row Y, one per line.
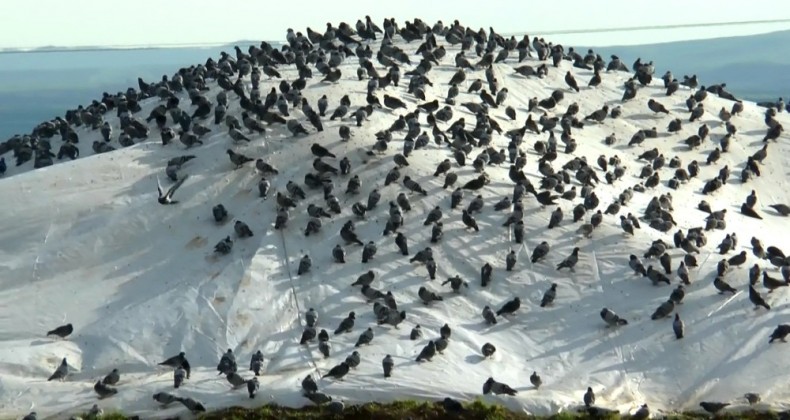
column 37, row 86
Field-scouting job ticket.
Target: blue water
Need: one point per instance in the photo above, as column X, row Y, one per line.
column 39, row 86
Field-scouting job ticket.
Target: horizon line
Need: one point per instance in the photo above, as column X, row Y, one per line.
column 132, row 47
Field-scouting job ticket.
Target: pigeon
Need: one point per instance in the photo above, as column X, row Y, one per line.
column 722, row 286
column 387, row 364
column 104, row 391
column 235, row 380
column 428, row 296
column 112, row 378
column 571, row 261
column 308, row 385
column 456, row 283
column 757, row 299
column 224, row 246
column 338, row 371
column 540, row 252
column 179, row 374
column 252, row 386
column 318, row 398
column 510, row 307
column 493, row 387
column 219, row 212
column 589, row 397
column 488, row 350
column 752, row 398
column 61, row 372
column 663, row 310
column 642, row 413
column 427, row 352
column 347, row 324
column 713, row 407
column 488, row 315
column 238, row 159
column 227, row 363
column 305, row 263
column 242, row 229
column 415, row 333
column 192, row 405
column 452, row 406
column 62, row 331
column 165, row 398
column 611, row 318
column 549, row 296
column 365, row 338
column 678, row 294
column 166, row 197
column 780, row 333
column 320, row 151
column 535, row 380
column 256, row 362
column 678, row 327
column 177, row 361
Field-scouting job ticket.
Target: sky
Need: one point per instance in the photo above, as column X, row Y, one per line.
column 72, row 23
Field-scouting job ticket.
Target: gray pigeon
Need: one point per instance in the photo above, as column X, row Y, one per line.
column 165, row 398
column 678, row 327
column 611, row 318
column 663, row 310
column 95, row 412
column 103, row 390
column 489, row 316
column 192, row 405
column 335, row 407
column 308, row 384
column 589, row 397
column 318, row 398
column 427, row 352
column 510, row 260
column 365, row 279
column 339, row 371
column 540, row 252
column 416, row 333
column 61, row 372
column 365, row 338
column 535, row 380
column 235, row 380
column 387, row 364
column 493, row 387
column 311, row 317
column 347, row 324
column 256, row 362
column 242, row 229
column 488, row 350
column 549, row 296
column 642, row 413
column 428, row 296
column 227, row 363
column 571, row 261
column 252, row 386
column 304, row 265
column 456, row 283
column 179, row 374
column 112, row 378
column 369, row 251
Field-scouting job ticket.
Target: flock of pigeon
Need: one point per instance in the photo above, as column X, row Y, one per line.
column 464, row 128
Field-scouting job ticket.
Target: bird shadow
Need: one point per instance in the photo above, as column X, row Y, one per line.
column 474, row 359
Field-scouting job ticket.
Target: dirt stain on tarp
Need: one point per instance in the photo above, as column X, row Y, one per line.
column 197, row 242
